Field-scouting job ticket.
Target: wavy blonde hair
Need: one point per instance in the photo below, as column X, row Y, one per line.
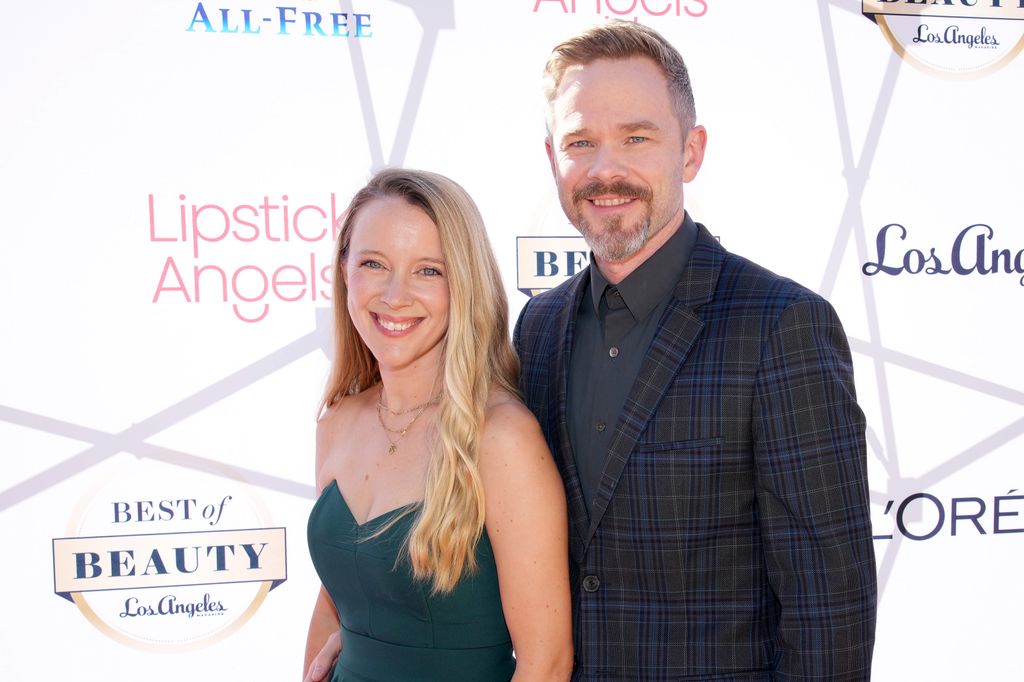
column 477, row 354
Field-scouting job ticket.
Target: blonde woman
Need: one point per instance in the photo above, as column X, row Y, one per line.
column 440, row 532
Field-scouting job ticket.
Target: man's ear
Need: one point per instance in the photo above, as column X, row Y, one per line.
column 693, row 152
column 551, row 154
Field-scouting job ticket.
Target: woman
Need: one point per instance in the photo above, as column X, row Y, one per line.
column 440, row 533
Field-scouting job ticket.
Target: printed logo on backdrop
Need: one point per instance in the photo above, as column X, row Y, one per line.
column 976, row 250
column 951, row 38
column 922, row 516
column 631, row 10
column 276, row 20
column 161, row 557
column 254, row 254
column 206, row 245
column 543, row 263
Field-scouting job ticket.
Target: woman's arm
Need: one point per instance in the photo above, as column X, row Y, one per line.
column 323, row 642
column 528, row 529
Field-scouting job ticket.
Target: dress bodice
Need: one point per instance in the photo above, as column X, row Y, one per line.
column 392, row 627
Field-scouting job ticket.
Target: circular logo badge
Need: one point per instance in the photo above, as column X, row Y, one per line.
column 951, row 41
column 161, row 556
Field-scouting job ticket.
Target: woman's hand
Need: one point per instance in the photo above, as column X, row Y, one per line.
column 324, row 661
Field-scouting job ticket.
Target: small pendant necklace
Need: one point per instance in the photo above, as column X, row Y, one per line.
column 417, row 409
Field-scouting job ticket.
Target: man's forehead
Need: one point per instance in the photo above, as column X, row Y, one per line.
column 627, row 67
column 620, row 93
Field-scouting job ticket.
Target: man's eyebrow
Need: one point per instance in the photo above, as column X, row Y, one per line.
column 630, row 127
column 634, row 126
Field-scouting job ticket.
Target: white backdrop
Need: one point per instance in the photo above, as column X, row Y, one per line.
column 128, row 128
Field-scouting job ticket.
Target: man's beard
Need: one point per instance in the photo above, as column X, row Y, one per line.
column 615, row 242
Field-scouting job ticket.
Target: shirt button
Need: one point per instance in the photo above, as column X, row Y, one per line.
column 600, row 425
column 613, row 352
column 591, row 583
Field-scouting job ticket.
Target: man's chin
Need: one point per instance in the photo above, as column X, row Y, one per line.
column 618, row 246
column 618, row 250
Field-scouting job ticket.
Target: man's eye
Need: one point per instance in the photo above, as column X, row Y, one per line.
column 578, row 144
column 635, row 139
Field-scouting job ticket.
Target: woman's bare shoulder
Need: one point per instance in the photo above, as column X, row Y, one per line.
column 511, row 434
column 332, row 426
column 503, row 407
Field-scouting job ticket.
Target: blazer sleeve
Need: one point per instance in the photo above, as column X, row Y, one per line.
column 517, row 330
column 812, row 497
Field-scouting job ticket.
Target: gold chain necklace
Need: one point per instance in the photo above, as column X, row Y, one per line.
column 399, row 413
column 418, row 409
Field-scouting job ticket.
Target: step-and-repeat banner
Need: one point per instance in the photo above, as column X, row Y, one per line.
column 171, row 176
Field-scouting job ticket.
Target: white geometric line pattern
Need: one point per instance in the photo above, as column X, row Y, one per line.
column 852, row 224
column 433, row 18
column 440, row 16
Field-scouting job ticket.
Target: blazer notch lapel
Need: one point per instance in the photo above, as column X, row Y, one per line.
column 565, row 327
column 679, row 329
column 678, row 332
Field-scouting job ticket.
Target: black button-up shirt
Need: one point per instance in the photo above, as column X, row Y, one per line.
column 615, row 325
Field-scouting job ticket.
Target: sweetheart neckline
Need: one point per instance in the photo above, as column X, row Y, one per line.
column 369, row 521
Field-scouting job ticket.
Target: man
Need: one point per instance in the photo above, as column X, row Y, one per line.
column 701, row 409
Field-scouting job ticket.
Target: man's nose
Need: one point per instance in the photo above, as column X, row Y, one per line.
column 607, row 165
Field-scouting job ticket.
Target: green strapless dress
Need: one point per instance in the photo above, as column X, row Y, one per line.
column 392, row 628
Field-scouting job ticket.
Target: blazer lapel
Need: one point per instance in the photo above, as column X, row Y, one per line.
column 565, row 327
column 678, row 329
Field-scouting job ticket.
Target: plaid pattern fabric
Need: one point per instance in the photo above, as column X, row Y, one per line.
column 729, row 537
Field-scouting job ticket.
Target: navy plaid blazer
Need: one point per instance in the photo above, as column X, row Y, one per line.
column 729, row 537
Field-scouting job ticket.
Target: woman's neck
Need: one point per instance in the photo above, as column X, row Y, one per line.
column 409, row 387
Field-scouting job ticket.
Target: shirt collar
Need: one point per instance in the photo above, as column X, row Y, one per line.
column 654, row 279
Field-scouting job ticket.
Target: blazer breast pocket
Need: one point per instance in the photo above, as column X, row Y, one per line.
column 688, row 509
column 691, row 478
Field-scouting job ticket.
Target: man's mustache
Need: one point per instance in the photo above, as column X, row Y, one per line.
column 621, row 188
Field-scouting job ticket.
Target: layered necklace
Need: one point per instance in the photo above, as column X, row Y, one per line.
column 416, row 411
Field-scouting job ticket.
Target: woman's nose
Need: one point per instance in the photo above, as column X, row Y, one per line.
column 396, row 293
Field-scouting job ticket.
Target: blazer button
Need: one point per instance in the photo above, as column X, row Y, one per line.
column 591, row 583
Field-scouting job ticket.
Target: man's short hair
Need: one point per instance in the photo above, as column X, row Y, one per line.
column 617, row 39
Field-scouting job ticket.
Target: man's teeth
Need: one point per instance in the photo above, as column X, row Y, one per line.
column 395, row 326
column 611, row 202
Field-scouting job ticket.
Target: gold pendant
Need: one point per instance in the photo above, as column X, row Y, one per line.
column 392, row 449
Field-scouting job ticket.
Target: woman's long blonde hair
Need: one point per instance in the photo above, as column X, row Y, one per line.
column 477, row 355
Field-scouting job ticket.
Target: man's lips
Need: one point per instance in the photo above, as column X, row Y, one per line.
column 608, row 203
